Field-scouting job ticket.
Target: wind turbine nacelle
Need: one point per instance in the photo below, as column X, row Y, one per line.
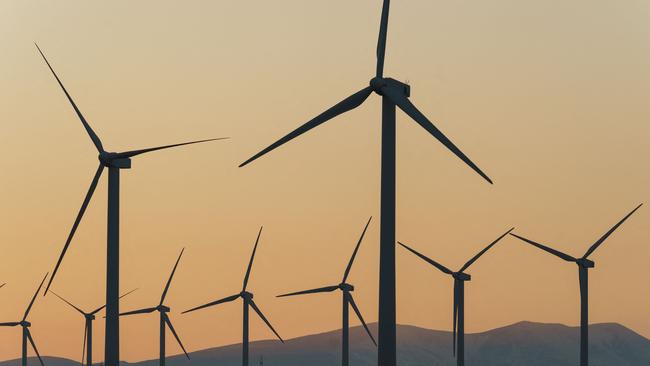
column 124, row 163
column 462, row 276
column 586, row 263
column 25, row 323
column 378, row 83
column 406, row 89
column 346, row 287
column 163, row 309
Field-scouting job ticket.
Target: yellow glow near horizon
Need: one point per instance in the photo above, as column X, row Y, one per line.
column 549, row 98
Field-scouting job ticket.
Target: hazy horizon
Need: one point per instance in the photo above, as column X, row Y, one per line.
column 550, row 99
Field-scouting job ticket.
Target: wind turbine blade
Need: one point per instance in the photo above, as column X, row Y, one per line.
column 83, row 352
column 140, row 311
column 31, row 303
column 132, row 153
column 9, row 324
column 77, row 220
column 259, row 312
column 128, row 293
column 69, row 303
column 381, row 42
column 171, row 327
column 354, row 254
column 221, row 301
column 3, row 285
column 250, row 263
column 428, row 260
column 169, row 281
column 356, row 310
column 93, row 136
column 312, row 291
column 31, row 340
column 345, row 105
column 477, row 256
column 103, row 306
column 607, row 234
column 405, row 105
column 564, row 256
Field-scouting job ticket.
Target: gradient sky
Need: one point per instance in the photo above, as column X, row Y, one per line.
column 550, row 98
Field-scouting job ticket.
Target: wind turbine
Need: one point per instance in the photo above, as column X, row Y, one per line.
column 584, row 264
column 247, row 299
column 164, row 318
column 26, row 334
column 87, row 349
column 460, row 277
column 114, row 162
column 348, row 300
column 394, row 93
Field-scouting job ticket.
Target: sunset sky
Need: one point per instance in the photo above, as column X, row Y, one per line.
column 550, row 98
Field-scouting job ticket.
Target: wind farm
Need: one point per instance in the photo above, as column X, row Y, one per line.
column 394, row 94
column 545, row 102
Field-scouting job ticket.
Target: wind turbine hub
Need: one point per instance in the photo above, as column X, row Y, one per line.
column 110, row 160
column 377, row 83
column 105, row 158
column 585, row 263
column 346, row 287
column 462, row 276
column 25, row 323
column 163, row 309
column 246, row 295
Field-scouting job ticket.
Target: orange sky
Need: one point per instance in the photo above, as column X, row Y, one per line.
column 549, row 98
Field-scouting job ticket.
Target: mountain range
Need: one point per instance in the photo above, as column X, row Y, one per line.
column 520, row 344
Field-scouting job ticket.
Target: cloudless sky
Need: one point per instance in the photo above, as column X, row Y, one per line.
column 549, row 98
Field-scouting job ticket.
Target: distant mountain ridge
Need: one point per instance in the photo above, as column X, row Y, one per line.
column 520, row 344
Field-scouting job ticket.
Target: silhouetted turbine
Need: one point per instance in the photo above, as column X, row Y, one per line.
column 114, row 162
column 247, row 298
column 393, row 93
column 87, row 349
column 26, row 334
column 460, row 277
column 164, row 318
column 348, row 300
column 584, row 264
